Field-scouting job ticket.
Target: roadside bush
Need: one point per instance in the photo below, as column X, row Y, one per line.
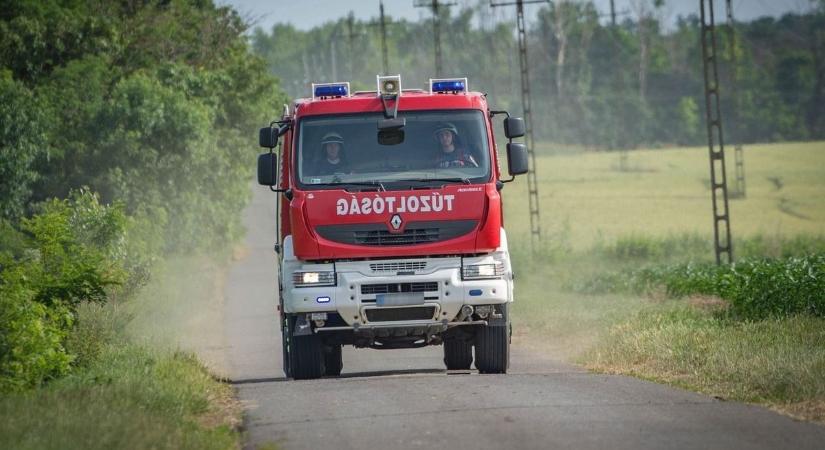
column 77, row 250
column 72, row 252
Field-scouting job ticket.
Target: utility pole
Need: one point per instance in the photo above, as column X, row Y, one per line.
column 716, row 143
column 612, row 13
column 532, row 181
column 738, row 152
column 384, row 57
column 434, row 5
column 333, row 56
column 351, row 44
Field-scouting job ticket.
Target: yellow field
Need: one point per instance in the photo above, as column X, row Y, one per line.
column 584, row 197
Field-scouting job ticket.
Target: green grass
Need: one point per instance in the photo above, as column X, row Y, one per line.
column 137, row 383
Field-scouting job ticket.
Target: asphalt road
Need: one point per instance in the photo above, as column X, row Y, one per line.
column 405, row 399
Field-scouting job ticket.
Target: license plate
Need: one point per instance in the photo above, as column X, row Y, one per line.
column 400, row 299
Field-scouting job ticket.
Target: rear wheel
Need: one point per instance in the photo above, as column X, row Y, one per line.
column 458, row 354
column 333, row 360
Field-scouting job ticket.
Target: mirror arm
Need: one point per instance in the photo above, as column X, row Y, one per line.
column 283, row 126
column 384, row 101
column 495, row 113
column 512, row 177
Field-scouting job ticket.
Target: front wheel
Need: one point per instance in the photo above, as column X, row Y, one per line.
column 493, row 349
column 306, row 355
column 493, row 345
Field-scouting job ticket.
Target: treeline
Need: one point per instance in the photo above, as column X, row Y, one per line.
column 638, row 83
column 126, row 133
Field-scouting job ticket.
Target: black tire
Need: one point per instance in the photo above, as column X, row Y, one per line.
column 306, row 356
column 493, row 349
column 333, row 360
column 458, row 354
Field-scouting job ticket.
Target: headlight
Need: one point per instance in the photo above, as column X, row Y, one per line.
column 483, row 271
column 313, row 279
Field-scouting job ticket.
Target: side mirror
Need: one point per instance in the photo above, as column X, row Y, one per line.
column 516, row 158
column 513, row 127
column 268, row 137
column 268, row 169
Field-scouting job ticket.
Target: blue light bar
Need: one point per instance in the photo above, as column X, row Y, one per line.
column 448, row 85
column 330, row 90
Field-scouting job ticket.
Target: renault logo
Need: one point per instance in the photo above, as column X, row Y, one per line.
column 395, row 222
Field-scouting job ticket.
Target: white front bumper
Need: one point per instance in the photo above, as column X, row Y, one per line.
column 444, row 290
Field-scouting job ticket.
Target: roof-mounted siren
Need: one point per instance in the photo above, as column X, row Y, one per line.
column 448, row 85
column 389, row 85
column 330, row 90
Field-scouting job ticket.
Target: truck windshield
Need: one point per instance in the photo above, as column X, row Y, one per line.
column 439, row 147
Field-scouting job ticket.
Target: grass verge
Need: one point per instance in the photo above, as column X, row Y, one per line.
column 779, row 362
column 131, row 397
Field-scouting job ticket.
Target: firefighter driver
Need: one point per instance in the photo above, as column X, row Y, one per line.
column 332, row 160
column 451, row 151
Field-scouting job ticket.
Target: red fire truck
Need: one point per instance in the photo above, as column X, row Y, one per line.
column 391, row 224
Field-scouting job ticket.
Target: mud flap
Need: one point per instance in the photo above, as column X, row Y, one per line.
column 302, row 327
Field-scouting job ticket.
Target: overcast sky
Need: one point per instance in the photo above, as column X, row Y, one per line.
column 305, row 14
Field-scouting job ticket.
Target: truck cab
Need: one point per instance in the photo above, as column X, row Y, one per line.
column 391, row 228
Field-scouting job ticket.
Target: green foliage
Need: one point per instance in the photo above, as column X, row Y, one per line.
column 78, row 254
column 152, row 103
column 22, row 140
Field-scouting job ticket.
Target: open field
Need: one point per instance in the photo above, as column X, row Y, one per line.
column 585, row 198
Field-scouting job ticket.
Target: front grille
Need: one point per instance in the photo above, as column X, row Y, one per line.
column 396, row 314
column 391, row 288
column 377, row 234
column 410, row 236
column 398, row 266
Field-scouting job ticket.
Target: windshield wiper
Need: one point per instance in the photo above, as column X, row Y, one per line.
column 374, row 183
column 448, row 180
